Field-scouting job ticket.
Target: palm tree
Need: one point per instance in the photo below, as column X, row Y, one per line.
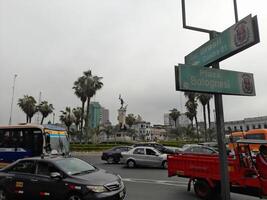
column 67, row 117
column 174, row 114
column 77, row 113
column 45, row 109
column 92, row 84
column 28, row 106
column 78, row 116
column 204, row 99
column 79, row 91
column 190, row 116
column 130, row 120
column 191, row 106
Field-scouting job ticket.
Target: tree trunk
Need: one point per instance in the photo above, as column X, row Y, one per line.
column 198, row 138
column 82, row 120
column 87, row 123
column 209, row 114
column 205, row 122
column 42, row 120
column 27, row 118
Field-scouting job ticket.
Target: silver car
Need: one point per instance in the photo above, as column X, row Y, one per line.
column 144, row 156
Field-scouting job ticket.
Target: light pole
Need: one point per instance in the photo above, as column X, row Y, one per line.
column 12, row 99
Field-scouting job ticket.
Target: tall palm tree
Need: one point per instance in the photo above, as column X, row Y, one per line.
column 174, row 114
column 28, row 106
column 92, row 84
column 79, row 91
column 45, row 109
column 67, row 117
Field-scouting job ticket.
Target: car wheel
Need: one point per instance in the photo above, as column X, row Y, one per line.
column 165, row 164
column 2, row 194
column 110, row 160
column 130, row 163
column 202, row 189
column 74, row 197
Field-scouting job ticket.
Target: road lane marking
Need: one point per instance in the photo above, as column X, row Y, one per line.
column 159, row 182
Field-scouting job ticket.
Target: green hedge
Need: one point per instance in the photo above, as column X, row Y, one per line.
column 93, row 147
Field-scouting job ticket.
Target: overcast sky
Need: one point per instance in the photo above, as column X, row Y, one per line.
column 132, row 44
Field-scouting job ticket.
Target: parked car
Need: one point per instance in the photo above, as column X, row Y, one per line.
column 114, row 155
column 199, row 149
column 157, row 146
column 144, row 156
column 210, row 144
column 58, row 178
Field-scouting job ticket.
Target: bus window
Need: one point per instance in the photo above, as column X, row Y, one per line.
column 37, row 143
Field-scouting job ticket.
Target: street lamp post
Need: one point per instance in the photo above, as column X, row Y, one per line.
column 12, row 99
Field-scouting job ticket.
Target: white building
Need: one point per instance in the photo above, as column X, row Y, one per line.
column 246, row 124
column 158, row 133
column 143, row 130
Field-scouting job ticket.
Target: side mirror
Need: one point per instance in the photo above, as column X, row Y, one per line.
column 55, row 175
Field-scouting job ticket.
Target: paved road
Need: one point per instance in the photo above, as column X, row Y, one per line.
column 147, row 183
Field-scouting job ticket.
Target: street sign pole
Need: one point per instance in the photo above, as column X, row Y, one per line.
column 225, row 187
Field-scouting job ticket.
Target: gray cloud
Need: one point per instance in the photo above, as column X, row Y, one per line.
column 133, row 44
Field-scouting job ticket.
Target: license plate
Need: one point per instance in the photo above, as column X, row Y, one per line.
column 121, row 194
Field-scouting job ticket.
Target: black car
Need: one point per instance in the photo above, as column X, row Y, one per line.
column 58, row 178
column 114, row 155
column 157, row 146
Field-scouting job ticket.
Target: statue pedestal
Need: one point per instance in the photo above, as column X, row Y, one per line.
column 122, row 117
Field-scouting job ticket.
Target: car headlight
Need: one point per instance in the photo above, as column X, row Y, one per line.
column 120, row 181
column 96, row 188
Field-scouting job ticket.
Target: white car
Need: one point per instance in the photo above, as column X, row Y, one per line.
column 144, row 156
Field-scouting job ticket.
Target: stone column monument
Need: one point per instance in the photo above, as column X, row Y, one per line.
column 122, row 114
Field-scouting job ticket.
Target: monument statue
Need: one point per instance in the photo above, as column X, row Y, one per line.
column 122, row 114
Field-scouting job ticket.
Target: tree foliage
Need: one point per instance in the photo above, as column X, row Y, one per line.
column 45, row 109
column 174, row 114
column 130, row 119
column 28, row 106
column 67, row 117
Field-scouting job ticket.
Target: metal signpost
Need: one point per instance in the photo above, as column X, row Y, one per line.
column 210, row 80
column 196, row 76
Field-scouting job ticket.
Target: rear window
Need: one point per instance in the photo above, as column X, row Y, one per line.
column 257, row 136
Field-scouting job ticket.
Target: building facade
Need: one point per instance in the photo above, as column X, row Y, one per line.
column 246, row 124
column 143, row 130
column 104, row 116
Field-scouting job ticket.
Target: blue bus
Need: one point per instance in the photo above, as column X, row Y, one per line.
column 28, row 140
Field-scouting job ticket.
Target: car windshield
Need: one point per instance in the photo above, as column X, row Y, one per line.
column 74, row 166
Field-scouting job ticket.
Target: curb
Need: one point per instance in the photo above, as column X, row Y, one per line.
column 86, row 153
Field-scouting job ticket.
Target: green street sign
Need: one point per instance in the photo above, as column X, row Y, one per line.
column 210, row 80
column 238, row 37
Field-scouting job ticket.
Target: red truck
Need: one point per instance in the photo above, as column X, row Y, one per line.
column 247, row 174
